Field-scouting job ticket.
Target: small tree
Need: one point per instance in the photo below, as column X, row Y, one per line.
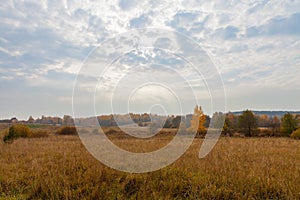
column 289, row 123
column 275, row 125
column 198, row 121
column 16, row 131
column 30, row 120
column 227, row 128
column 264, row 121
column 232, row 121
column 248, row 123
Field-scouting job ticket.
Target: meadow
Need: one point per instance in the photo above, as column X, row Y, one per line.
column 59, row 167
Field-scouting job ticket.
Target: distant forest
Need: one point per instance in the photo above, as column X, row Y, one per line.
column 269, row 113
column 243, row 123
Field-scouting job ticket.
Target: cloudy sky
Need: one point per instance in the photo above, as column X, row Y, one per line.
column 254, row 44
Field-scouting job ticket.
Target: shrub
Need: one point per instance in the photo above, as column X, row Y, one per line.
column 37, row 133
column 265, row 132
column 110, row 131
column 67, row 130
column 16, row 131
column 296, row 134
column 3, row 134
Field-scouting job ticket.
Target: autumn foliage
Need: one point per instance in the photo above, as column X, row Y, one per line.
column 198, row 121
column 16, row 131
column 296, row 134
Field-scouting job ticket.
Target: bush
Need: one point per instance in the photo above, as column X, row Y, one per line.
column 3, row 134
column 110, row 131
column 37, row 133
column 266, row 132
column 67, row 130
column 296, row 134
column 16, row 131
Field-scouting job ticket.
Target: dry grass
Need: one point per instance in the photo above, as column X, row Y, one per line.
column 59, row 167
column 140, row 145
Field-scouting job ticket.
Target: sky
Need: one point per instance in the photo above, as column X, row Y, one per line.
column 253, row 44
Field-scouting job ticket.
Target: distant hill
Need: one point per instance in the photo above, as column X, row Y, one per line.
column 269, row 113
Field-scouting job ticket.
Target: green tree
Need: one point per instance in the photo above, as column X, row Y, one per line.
column 247, row 123
column 289, row 123
column 227, row 128
column 16, row 131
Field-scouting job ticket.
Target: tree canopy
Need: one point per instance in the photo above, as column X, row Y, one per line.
column 247, row 123
column 289, row 123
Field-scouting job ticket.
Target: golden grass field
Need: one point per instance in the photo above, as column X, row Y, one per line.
column 59, row 167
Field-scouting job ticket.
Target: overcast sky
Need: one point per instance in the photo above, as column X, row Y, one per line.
column 255, row 45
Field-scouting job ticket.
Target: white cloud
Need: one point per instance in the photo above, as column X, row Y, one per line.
column 11, row 53
column 7, row 78
column 253, row 42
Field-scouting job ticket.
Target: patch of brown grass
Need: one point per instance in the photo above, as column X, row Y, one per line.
column 131, row 143
column 59, row 167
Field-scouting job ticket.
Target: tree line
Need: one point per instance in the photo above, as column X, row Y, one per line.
column 245, row 123
column 248, row 124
